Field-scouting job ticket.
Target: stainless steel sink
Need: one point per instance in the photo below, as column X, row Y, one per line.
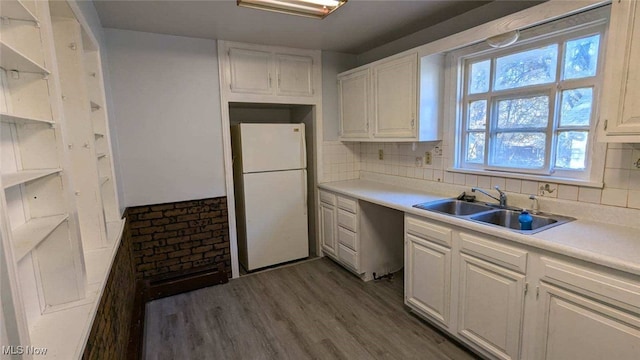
column 509, row 219
column 488, row 215
column 454, row 207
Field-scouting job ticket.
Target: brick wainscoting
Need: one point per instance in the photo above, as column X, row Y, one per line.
column 179, row 236
column 109, row 335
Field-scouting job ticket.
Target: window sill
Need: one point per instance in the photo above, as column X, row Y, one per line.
column 530, row 177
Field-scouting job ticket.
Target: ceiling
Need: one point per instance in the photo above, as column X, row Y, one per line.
column 360, row 25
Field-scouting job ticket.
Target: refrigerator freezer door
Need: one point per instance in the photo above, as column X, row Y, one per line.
column 272, row 147
column 275, row 218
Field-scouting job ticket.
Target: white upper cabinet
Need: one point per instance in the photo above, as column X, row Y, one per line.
column 620, row 116
column 353, row 92
column 395, row 99
column 257, row 73
column 295, row 75
column 250, row 71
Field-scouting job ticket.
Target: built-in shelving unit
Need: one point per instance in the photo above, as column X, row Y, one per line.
column 17, row 119
column 25, row 176
column 13, row 60
column 57, row 241
column 17, row 10
column 26, row 237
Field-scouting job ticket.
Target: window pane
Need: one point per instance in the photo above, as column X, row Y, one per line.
column 519, row 150
column 477, row 115
column 576, row 107
column 581, row 58
column 532, row 67
column 479, row 81
column 532, row 112
column 475, row 147
column 572, row 149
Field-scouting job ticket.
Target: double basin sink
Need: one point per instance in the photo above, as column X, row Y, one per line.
column 506, row 218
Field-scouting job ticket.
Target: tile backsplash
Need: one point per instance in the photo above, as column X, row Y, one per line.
column 343, row 161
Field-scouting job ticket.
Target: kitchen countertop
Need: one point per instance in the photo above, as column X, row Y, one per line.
column 614, row 246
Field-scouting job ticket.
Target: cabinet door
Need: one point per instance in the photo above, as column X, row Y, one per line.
column 250, row 71
column 621, row 110
column 394, row 98
column 428, row 278
column 491, row 306
column 576, row 327
column 328, row 228
column 294, row 75
column 353, row 91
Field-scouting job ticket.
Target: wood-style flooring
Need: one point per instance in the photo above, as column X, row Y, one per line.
column 310, row 310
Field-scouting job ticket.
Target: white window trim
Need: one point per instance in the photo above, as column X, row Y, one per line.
column 454, row 87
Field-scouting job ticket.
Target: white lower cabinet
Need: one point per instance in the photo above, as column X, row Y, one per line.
column 364, row 238
column 491, row 303
column 587, row 314
column 428, row 269
column 428, row 278
column 510, row 301
column 327, row 213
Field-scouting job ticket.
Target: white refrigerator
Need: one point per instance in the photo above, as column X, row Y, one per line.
column 270, row 182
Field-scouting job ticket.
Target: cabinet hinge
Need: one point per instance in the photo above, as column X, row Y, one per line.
column 526, row 288
column 606, row 124
column 537, row 292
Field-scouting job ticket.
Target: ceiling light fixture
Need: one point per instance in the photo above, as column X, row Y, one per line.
column 503, row 40
column 318, row 9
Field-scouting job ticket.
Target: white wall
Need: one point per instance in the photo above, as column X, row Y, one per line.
column 166, row 112
column 333, row 63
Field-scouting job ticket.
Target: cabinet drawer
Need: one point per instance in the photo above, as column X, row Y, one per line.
column 327, row 197
column 348, row 257
column 348, row 238
column 347, row 204
column 602, row 285
column 347, row 220
column 495, row 252
column 423, row 229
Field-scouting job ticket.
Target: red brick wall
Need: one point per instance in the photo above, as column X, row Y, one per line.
column 110, row 332
column 179, row 236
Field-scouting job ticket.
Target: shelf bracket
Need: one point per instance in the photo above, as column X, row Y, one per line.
column 7, row 20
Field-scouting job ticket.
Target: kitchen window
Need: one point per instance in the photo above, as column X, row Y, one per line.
column 531, row 108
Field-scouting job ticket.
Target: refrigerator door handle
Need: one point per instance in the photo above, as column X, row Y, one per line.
column 304, row 183
column 304, row 147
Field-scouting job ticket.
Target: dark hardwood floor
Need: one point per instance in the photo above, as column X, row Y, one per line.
column 310, row 310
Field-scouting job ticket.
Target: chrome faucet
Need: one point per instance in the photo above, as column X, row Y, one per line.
column 503, row 197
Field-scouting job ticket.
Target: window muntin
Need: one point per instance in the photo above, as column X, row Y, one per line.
column 530, row 108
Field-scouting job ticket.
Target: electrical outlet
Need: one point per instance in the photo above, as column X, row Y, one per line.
column 427, row 158
column 437, row 151
column 380, row 154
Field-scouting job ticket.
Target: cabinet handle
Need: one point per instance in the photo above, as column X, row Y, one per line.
column 606, row 123
column 526, row 288
column 367, row 127
column 413, row 123
column 269, row 80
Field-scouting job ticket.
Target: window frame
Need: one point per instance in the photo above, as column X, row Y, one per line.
column 558, row 32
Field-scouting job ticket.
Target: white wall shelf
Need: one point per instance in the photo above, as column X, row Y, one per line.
column 19, row 119
column 21, row 177
column 16, row 9
column 12, row 59
column 27, row 236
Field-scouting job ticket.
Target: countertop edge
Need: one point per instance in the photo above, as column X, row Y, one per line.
column 537, row 240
